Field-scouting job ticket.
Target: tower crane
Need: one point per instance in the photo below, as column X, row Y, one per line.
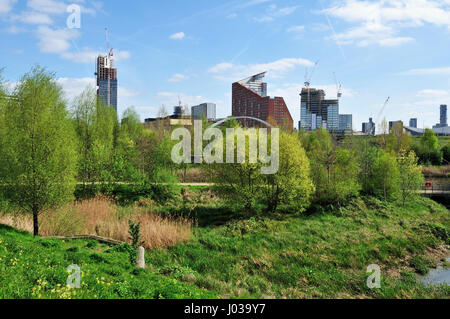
column 308, row 76
column 338, row 86
column 372, row 129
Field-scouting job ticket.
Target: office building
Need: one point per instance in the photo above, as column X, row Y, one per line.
column 443, row 117
column 393, row 125
column 369, row 127
column 249, row 99
column 205, row 110
column 317, row 112
column 413, row 123
column 107, row 80
column 346, row 122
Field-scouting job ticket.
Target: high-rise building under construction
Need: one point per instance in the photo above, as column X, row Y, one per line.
column 317, row 112
column 107, row 80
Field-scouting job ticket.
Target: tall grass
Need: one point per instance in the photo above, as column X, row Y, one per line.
column 101, row 217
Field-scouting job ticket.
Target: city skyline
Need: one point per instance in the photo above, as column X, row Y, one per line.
column 197, row 51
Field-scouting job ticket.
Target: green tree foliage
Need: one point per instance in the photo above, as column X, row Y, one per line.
column 96, row 125
column 446, row 154
column 410, row 175
column 291, row 186
column 428, row 149
column 386, row 176
column 366, row 155
column 38, row 148
column 334, row 170
column 398, row 140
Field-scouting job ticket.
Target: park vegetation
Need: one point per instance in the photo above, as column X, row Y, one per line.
column 72, row 168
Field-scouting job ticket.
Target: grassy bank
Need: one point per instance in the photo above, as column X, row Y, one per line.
column 36, row 268
column 324, row 255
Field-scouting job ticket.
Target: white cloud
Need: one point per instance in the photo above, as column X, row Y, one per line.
column 432, row 93
column 230, row 72
column 428, row 71
column 55, row 41
column 31, row 17
column 72, row 87
column 124, row 92
column 15, row 29
column 178, row 78
column 297, row 28
column 221, row 67
column 47, row 6
column 379, row 22
column 178, row 36
column 273, row 12
column 6, row 5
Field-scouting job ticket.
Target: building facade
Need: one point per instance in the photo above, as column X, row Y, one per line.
column 249, row 98
column 107, row 80
column 346, row 122
column 317, row 112
column 369, row 127
column 204, row 110
column 413, row 123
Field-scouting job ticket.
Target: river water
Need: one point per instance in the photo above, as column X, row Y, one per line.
column 437, row 276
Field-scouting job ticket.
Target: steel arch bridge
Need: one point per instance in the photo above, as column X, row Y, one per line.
column 242, row 118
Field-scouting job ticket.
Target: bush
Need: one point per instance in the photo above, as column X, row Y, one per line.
column 334, row 170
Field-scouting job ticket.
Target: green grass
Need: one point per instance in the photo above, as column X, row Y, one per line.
column 37, row 268
column 322, row 255
column 317, row 255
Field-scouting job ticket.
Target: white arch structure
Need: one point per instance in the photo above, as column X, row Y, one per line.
column 242, row 118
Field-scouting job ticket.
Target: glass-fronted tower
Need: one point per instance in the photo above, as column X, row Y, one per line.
column 107, row 80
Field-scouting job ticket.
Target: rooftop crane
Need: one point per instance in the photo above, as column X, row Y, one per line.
column 309, row 78
column 338, row 86
column 372, row 129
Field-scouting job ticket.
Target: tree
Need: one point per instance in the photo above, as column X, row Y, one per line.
column 410, row 178
column 367, row 156
column 382, row 138
column 39, row 148
column 398, row 140
column 386, row 176
column 131, row 124
column 334, row 170
column 97, row 131
column 429, row 148
column 446, row 154
column 292, row 184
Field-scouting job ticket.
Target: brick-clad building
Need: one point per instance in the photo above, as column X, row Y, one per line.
column 249, row 98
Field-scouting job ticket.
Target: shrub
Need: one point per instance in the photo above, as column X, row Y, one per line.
column 334, row 170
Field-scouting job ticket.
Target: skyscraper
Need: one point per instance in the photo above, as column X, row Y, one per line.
column 413, row 123
column 317, row 112
column 206, row 110
column 369, row 127
column 107, row 80
column 249, row 98
column 346, row 122
column 444, row 115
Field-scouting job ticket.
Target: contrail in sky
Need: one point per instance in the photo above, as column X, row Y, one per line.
column 333, row 30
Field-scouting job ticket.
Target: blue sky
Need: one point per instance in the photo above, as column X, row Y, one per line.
column 196, row 49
